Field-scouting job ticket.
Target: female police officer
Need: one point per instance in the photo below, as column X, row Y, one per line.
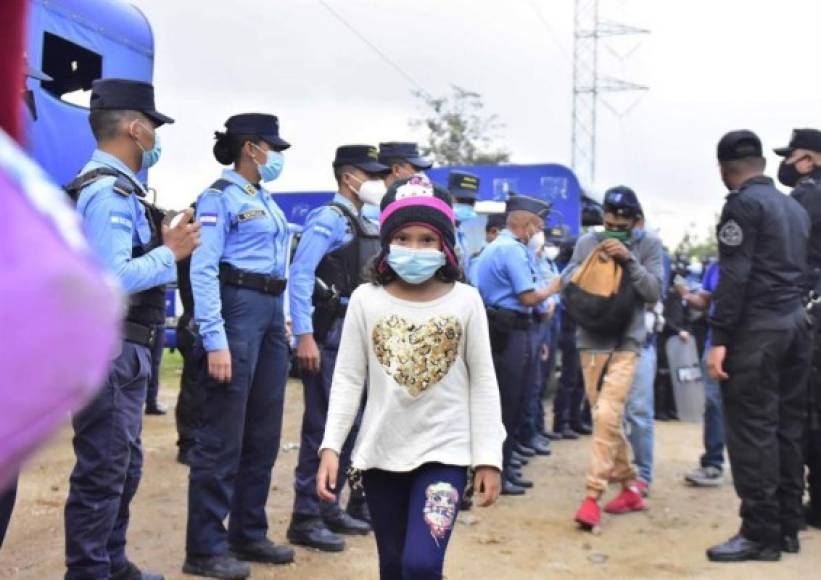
column 237, row 278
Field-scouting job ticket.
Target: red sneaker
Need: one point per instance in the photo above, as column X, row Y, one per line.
column 629, row 500
column 643, row 488
column 589, row 514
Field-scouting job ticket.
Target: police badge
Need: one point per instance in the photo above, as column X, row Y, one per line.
column 731, row 234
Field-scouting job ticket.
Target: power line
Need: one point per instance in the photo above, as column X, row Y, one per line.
column 553, row 36
column 376, row 49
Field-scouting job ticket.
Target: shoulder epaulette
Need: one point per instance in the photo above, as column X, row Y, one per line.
column 219, row 186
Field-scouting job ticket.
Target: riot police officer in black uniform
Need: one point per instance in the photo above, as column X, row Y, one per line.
column 761, row 351
column 801, row 170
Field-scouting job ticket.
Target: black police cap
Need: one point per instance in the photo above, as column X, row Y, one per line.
column 533, row 205
column 809, row 139
column 261, row 125
column 463, row 185
column 364, row 157
column 622, row 201
column 407, row 151
column 741, row 144
column 126, row 95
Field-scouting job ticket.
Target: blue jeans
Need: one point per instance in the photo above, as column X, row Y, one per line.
column 713, row 420
column 413, row 517
column 237, row 441
column 638, row 414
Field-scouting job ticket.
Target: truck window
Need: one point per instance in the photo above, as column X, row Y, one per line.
column 72, row 67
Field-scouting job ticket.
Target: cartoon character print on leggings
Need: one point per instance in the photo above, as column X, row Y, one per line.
column 441, row 500
column 416, row 355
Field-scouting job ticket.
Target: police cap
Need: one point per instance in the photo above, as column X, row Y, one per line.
column 364, row 157
column 407, row 151
column 126, row 95
column 809, row 139
column 261, row 125
column 741, row 144
column 530, row 204
column 463, row 185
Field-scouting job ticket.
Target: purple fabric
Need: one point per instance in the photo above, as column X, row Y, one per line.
column 59, row 315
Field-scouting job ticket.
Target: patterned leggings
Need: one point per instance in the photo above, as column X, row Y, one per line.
column 413, row 515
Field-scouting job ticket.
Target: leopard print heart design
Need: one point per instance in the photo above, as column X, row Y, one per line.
column 417, row 355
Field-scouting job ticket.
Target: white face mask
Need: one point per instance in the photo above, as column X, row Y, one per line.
column 551, row 252
column 371, row 191
column 536, row 241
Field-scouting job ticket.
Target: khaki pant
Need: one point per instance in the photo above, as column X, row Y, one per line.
column 611, row 450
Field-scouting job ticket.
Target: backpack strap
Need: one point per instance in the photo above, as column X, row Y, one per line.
column 123, row 184
column 220, row 185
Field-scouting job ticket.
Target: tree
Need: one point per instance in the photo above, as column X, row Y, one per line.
column 458, row 132
column 694, row 245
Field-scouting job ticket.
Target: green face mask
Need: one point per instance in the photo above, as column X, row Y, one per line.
column 620, row 235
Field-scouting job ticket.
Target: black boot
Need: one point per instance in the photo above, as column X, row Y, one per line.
column 790, row 544
column 131, row 572
column 523, row 451
column 516, row 479
column 520, row 458
column 740, row 549
column 264, row 551
column 224, row 567
column 358, row 508
column 340, row 522
column 155, row 408
column 312, row 532
column 582, row 428
column 509, row 488
column 539, row 446
column 569, row 434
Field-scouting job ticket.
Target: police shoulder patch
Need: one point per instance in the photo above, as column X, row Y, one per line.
column 731, row 234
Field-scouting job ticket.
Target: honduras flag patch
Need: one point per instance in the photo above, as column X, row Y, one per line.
column 121, row 221
column 208, row 219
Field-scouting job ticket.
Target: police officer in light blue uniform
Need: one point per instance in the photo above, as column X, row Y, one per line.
column 336, row 244
column 126, row 234
column 464, row 187
column 237, row 280
column 506, row 279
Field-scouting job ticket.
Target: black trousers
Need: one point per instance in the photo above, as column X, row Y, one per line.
column 192, row 393
column 765, row 411
column 7, row 497
column 514, row 372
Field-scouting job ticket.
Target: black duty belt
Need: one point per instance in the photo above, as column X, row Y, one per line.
column 258, row 282
column 519, row 320
column 139, row 333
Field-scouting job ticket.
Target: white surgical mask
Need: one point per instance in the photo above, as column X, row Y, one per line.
column 551, row 252
column 536, row 241
column 371, row 191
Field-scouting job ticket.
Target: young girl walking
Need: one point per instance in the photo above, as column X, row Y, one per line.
column 419, row 339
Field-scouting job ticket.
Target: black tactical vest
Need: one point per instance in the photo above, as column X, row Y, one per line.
column 344, row 267
column 146, row 307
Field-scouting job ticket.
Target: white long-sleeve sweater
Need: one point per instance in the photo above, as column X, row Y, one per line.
column 432, row 392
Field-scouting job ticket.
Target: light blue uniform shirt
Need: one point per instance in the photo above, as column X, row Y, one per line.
column 115, row 224
column 505, row 270
column 244, row 227
column 545, row 272
column 326, row 230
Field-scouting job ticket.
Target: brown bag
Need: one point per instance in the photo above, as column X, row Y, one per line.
column 600, row 297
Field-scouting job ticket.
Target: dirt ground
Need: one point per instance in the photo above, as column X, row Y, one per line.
column 519, row 538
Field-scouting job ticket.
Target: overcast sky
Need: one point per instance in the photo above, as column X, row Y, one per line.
column 711, row 66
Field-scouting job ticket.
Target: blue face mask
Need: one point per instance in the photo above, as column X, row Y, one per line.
column 464, row 212
column 415, row 266
column 151, row 156
column 272, row 168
